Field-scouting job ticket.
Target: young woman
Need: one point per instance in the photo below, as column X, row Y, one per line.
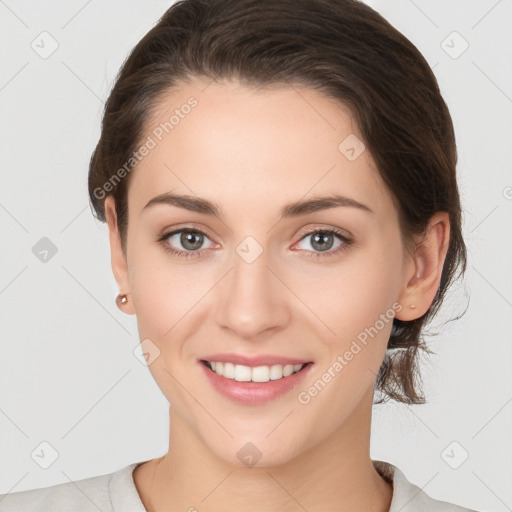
column 279, row 184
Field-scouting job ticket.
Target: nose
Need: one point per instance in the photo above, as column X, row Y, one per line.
column 253, row 300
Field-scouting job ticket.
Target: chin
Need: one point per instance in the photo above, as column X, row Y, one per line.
column 256, row 453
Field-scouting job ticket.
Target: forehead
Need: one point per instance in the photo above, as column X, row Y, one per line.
column 233, row 144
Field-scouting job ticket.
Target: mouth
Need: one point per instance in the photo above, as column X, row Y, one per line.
column 254, row 385
column 260, row 374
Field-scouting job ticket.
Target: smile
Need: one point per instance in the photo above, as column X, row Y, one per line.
column 243, row 373
column 254, row 385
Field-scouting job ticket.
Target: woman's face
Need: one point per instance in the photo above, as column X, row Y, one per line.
column 256, row 279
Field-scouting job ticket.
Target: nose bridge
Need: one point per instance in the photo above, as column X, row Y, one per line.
column 252, row 299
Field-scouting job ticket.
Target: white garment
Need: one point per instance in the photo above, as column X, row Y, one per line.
column 116, row 492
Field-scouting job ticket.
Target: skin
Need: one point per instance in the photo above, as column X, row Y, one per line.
column 252, row 151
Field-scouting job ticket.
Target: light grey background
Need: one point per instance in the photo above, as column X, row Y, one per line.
column 68, row 374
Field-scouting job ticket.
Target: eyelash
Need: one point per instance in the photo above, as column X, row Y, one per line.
column 313, row 254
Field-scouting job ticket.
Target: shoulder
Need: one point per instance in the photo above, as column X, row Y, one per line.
column 408, row 497
column 86, row 495
column 82, row 495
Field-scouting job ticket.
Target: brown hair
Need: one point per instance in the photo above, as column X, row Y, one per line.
column 342, row 48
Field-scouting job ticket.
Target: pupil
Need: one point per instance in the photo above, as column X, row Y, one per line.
column 321, row 236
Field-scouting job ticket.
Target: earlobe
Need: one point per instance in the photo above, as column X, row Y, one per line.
column 118, row 261
column 426, row 267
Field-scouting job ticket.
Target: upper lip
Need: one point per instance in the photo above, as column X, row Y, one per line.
column 256, row 360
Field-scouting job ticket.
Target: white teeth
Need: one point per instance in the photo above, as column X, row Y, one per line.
column 261, row 374
column 288, row 370
column 276, row 372
column 228, row 370
column 243, row 373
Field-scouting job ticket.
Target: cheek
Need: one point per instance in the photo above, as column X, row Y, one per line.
column 356, row 302
column 167, row 295
column 352, row 297
column 360, row 313
column 151, row 289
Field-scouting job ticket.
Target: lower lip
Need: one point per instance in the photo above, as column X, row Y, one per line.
column 254, row 393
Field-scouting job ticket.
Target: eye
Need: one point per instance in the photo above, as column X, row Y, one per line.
column 190, row 239
column 322, row 241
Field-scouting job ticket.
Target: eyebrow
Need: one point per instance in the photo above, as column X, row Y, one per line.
column 294, row 209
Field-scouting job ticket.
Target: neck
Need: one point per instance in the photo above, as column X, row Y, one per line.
column 335, row 475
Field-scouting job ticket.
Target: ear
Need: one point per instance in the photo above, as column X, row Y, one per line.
column 424, row 268
column 118, row 261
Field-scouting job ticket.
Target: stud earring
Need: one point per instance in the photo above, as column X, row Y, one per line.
column 121, row 299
